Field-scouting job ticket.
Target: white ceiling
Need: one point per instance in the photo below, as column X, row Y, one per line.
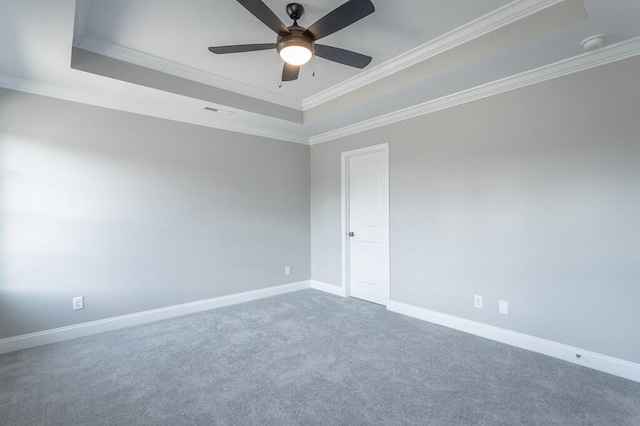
column 427, row 55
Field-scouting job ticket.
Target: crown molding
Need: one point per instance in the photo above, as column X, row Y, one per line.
column 606, row 55
column 613, row 53
column 52, row 91
column 146, row 60
column 485, row 24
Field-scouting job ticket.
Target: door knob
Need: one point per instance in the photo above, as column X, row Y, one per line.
column 351, row 234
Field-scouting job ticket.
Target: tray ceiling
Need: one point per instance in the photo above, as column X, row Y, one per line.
column 181, row 32
column 151, row 57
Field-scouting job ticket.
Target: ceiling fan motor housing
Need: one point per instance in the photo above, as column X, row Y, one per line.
column 296, row 37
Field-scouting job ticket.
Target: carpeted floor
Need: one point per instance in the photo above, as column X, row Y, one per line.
column 304, row 358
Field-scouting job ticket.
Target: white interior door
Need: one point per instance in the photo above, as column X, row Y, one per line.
column 368, row 225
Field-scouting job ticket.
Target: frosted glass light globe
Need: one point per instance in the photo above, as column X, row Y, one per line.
column 295, row 55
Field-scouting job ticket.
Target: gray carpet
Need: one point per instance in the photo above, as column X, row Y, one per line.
column 303, row 358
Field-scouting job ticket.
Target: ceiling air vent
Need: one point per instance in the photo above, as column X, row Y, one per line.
column 219, row 111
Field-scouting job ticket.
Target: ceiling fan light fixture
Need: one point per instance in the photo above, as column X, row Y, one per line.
column 296, row 51
column 295, row 44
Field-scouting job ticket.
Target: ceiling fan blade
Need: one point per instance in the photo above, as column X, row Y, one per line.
column 342, row 56
column 266, row 15
column 341, row 17
column 238, row 48
column 290, row 72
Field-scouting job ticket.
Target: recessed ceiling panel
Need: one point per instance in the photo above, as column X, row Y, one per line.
column 181, row 32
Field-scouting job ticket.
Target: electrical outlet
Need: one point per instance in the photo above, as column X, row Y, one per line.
column 503, row 307
column 287, row 270
column 477, row 301
column 78, row 303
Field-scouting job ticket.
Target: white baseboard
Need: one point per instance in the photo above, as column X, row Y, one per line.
column 329, row 288
column 605, row 363
column 88, row 328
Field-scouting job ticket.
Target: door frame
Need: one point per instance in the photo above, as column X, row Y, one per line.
column 344, row 171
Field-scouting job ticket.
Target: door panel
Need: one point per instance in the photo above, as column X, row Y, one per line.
column 368, row 221
column 367, row 270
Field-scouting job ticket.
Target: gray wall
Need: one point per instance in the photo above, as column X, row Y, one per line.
column 137, row 213
column 532, row 196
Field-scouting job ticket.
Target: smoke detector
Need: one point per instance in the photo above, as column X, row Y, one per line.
column 594, row 42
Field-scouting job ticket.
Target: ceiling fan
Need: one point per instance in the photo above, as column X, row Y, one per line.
column 297, row 45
